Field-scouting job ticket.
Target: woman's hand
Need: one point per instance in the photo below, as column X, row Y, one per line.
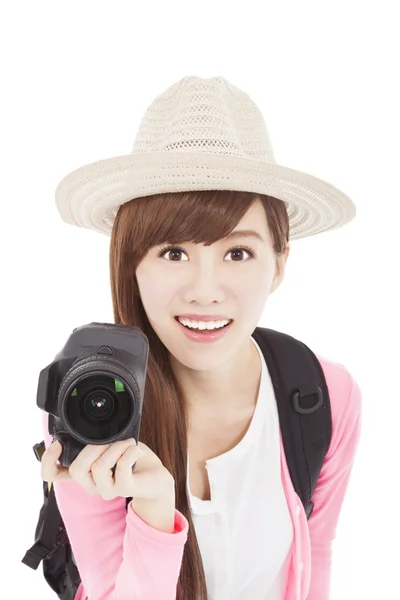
column 92, row 469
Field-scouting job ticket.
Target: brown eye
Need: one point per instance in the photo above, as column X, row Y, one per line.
column 239, row 252
column 174, row 251
column 174, row 254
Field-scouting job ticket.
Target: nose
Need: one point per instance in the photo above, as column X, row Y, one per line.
column 205, row 286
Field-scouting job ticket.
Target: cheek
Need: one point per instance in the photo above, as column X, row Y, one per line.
column 156, row 290
column 252, row 296
column 254, row 287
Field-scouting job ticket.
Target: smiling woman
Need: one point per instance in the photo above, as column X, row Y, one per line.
column 149, row 291
column 200, row 216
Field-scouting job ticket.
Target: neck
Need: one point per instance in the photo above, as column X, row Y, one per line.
column 233, row 385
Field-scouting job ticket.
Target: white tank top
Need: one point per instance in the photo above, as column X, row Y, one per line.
column 245, row 532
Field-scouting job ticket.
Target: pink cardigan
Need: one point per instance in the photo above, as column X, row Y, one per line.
column 120, row 557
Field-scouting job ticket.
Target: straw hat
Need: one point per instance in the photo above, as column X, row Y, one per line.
column 200, row 134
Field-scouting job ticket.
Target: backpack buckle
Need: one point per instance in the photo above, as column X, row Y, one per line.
column 39, row 450
column 307, row 390
column 35, row 555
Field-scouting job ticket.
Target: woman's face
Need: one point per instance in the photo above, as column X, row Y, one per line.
column 219, row 279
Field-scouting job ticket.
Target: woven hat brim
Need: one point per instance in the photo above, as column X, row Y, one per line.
column 90, row 196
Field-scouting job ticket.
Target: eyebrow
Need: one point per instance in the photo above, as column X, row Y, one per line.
column 244, row 233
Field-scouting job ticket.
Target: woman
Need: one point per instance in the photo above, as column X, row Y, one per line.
column 214, row 513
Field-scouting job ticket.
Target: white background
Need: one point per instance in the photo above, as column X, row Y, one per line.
column 76, row 79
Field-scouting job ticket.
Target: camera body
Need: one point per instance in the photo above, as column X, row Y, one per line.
column 94, row 388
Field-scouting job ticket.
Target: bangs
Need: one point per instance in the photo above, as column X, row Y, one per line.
column 199, row 217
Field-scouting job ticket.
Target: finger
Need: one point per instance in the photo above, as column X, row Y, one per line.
column 123, row 472
column 145, row 481
column 50, row 470
column 149, row 458
column 80, row 467
column 102, row 468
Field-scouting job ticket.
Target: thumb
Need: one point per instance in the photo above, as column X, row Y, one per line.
column 50, row 470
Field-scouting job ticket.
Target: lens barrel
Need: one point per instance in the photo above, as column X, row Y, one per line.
column 98, row 400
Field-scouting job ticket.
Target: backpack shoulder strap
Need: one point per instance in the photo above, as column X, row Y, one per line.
column 303, row 406
column 52, row 545
column 49, row 527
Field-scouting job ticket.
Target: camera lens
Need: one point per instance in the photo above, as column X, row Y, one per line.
column 99, row 405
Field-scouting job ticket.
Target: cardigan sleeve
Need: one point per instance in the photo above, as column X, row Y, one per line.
column 333, row 481
column 118, row 555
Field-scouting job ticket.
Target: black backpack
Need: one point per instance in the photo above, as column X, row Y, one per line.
column 306, row 425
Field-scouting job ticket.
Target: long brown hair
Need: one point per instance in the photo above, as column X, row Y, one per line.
column 200, row 217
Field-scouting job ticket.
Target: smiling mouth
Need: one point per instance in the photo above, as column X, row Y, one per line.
column 204, row 330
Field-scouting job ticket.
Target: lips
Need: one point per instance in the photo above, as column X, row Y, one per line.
column 204, row 321
column 204, row 317
column 203, row 336
column 203, row 330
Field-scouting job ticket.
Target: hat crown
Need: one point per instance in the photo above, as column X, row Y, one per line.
column 200, row 134
column 210, row 116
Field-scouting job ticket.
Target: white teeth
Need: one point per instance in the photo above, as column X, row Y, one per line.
column 201, row 325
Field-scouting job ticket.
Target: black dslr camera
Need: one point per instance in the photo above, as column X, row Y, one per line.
column 94, row 388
